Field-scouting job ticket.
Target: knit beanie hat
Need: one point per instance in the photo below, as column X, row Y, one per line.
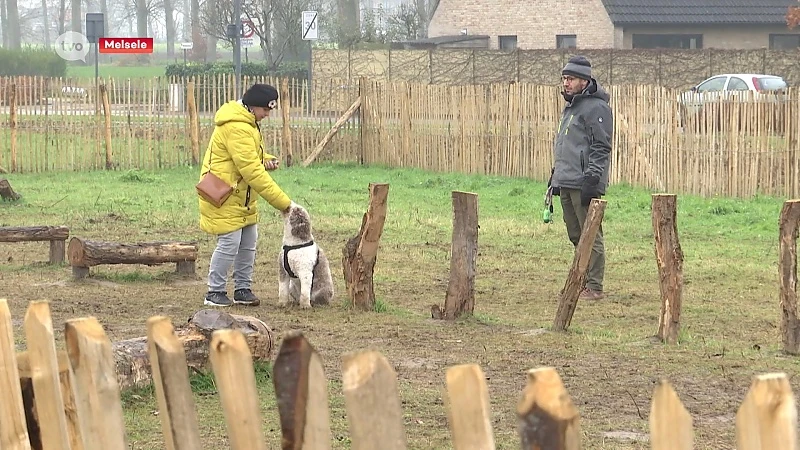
column 262, row 95
column 578, row 66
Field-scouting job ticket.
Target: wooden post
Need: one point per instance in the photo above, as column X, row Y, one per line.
column 787, row 269
column 361, row 251
column 286, row 131
column 460, row 298
column 371, row 399
column 576, row 278
column 107, row 116
column 469, row 411
column 194, row 124
column 339, row 123
column 670, row 423
column 767, row 418
column 548, row 418
column 669, row 258
column 301, row 390
column 233, row 370
column 13, row 429
column 12, row 103
column 171, row 381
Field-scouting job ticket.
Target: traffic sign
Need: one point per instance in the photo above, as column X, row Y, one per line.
column 187, row 45
column 310, row 28
column 247, row 42
column 248, row 29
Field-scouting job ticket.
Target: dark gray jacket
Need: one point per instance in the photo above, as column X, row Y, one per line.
column 583, row 140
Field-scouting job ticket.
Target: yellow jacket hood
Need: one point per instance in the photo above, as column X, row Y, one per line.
column 234, row 111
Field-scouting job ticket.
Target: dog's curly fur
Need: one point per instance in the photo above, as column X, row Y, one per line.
column 314, row 284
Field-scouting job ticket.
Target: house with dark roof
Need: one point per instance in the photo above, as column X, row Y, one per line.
column 625, row 24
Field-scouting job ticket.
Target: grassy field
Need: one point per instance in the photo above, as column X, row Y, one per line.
column 607, row 359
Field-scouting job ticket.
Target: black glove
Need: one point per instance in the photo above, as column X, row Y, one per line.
column 589, row 189
column 555, row 190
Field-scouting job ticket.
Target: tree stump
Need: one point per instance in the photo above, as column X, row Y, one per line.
column 787, row 270
column 669, row 258
column 360, row 252
column 576, row 278
column 460, row 298
column 133, row 363
column 7, row 193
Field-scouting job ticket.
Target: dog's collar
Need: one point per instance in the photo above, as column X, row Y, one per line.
column 292, row 247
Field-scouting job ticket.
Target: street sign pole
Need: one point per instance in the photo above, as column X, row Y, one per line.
column 310, row 33
column 237, row 45
column 95, row 29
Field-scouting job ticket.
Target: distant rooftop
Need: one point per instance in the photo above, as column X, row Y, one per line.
column 669, row 12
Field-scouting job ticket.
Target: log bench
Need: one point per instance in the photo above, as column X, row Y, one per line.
column 57, row 236
column 84, row 254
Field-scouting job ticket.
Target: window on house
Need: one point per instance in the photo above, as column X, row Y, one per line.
column 507, row 42
column 784, row 41
column 689, row 41
column 566, row 41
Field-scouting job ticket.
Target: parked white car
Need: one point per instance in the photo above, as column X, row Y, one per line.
column 728, row 86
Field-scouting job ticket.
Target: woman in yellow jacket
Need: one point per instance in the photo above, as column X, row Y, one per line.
column 235, row 153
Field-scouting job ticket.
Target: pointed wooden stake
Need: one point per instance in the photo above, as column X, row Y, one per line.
column 13, row 431
column 44, row 375
column 171, row 381
column 460, row 298
column 669, row 259
column 371, row 398
column 302, row 395
column 767, row 419
column 468, row 408
column 233, row 370
column 670, row 423
column 96, row 389
column 548, row 420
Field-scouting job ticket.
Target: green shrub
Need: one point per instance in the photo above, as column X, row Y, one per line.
column 32, row 62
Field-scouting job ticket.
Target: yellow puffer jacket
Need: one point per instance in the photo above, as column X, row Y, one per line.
column 235, row 153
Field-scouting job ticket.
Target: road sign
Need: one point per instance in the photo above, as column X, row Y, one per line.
column 248, row 30
column 187, row 45
column 310, row 28
column 94, row 27
column 247, row 42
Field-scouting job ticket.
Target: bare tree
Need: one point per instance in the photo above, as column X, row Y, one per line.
column 12, row 23
column 169, row 22
column 4, row 22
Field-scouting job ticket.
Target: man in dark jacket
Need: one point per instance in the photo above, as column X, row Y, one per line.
column 582, row 155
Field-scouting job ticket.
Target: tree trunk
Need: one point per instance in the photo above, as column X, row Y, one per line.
column 62, row 17
column 361, row 251
column 789, row 227
column 46, row 24
column 7, row 192
column 460, row 298
column 4, row 22
column 169, row 19
column 12, row 21
column 213, row 18
column 133, row 363
column 36, row 233
column 77, row 16
column 85, row 253
column 669, row 258
column 141, row 25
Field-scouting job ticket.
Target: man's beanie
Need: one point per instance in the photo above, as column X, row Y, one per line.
column 262, row 95
column 578, row 66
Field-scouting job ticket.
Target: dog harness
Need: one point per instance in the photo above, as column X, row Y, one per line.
column 286, row 249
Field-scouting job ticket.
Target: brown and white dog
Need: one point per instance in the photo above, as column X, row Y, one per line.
column 305, row 274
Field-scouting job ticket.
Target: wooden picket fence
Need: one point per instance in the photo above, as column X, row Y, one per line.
column 77, row 398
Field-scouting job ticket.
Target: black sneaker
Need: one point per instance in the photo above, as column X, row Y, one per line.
column 245, row 297
column 215, row 298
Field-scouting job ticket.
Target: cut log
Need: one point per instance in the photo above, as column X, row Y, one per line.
column 133, row 363
column 7, row 192
column 30, row 234
column 548, row 420
column 669, row 258
column 361, row 251
column 460, row 298
column 85, row 253
column 576, row 278
column 787, row 268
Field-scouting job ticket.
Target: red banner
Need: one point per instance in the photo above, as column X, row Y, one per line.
column 125, row 45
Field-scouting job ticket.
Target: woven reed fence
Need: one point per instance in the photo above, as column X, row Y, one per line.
column 76, row 397
column 740, row 148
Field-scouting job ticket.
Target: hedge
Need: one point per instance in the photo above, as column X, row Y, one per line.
column 288, row 70
column 32, row 62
